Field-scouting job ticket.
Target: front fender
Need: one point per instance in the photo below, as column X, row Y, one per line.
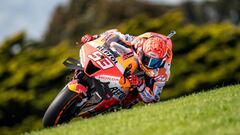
column 76, row 87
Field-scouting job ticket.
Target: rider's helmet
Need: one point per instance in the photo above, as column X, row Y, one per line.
column 154, row 52
column 153, row 55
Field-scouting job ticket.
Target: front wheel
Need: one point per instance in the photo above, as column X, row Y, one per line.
column 62, row 109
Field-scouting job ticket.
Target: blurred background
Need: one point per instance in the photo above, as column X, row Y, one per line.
column 36, row 37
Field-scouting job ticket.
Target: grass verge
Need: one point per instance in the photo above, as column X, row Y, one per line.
column 213, row 112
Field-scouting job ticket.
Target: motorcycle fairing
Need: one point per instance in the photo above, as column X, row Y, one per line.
column 76, row 87
column 100, row 62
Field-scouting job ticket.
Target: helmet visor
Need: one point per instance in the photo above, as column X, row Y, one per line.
column 151, row 63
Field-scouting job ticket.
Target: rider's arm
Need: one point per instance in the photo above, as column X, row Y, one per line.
column 148, row 95
column 126, row 38
column 153, row 95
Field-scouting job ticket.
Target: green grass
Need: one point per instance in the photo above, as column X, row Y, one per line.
column 215, row 112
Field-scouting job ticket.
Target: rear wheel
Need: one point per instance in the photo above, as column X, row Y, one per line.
column 62, row 109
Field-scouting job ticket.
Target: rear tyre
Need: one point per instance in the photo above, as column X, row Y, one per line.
column 62, row 109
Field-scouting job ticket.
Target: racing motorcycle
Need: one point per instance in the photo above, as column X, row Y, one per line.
column 99, row 83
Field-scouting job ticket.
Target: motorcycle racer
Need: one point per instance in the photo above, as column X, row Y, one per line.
column 154, row 56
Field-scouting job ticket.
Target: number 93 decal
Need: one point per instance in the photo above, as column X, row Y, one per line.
column 102, row 61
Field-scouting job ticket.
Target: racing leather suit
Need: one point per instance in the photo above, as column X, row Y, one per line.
column 152, row 86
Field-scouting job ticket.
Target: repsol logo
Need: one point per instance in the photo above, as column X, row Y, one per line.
column 106, row 52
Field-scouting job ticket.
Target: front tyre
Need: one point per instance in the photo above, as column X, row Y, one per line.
column 62, row 109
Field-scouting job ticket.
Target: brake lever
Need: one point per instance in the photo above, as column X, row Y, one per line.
column 171, row 34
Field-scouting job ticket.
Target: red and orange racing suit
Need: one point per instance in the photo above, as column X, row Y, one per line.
column 155, row 79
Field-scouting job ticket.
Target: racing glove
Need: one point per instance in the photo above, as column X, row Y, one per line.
column 86, row 38
column 135, row 81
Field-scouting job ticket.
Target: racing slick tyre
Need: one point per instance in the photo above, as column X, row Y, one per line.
column 62, row 109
